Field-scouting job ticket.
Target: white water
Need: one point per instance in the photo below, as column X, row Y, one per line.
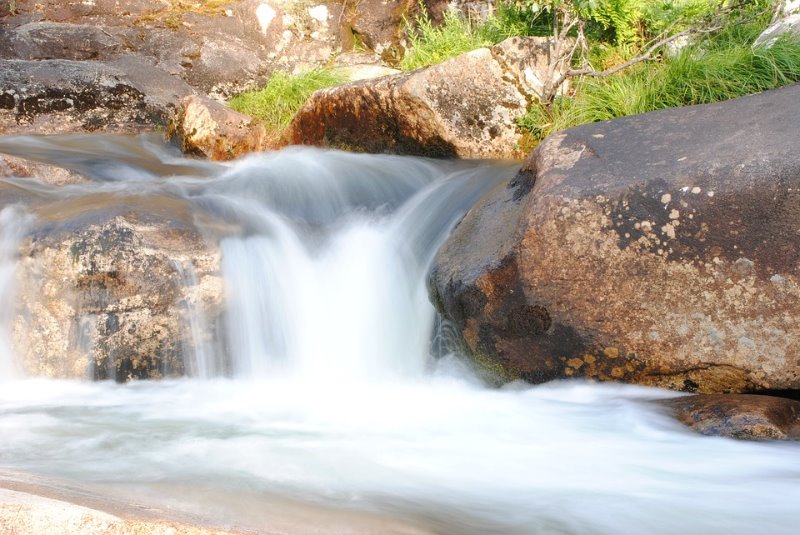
column 334, row 398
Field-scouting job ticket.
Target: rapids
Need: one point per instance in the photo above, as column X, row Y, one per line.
column 326, row 387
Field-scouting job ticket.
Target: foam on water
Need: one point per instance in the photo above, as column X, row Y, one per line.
column 334, row 397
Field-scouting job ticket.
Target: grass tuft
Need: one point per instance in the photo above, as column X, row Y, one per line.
column 284, row 94
column 433, row 44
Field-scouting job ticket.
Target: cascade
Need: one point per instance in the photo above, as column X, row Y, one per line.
column 321, row 386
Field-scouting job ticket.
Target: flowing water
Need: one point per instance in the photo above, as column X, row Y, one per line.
column 324, row 387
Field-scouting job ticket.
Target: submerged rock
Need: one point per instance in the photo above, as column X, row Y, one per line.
column 738, row 415
column 109, row 299
column 463, row 107
column 659, row 249
column 207, row 128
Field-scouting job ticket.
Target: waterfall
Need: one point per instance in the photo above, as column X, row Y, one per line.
column 328, row 379
column 14, row 222
column 348, row 301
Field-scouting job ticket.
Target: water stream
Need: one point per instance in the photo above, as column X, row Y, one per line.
column 324, row 388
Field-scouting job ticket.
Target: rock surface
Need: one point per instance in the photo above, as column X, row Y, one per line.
column 658, row 249
column 463, row 107
column 787, row 23
column 107, row 298
column 60, row 96
column 126, row 66
column 738, row 415
column 19, row 167
column 207, row 128
column 22, row 512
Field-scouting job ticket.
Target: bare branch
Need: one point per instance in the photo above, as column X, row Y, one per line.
column 633, row 61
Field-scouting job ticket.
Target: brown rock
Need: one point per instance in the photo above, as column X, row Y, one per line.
column 463, row 107
column 52, row 40
column 208, row 128
column 104, row 298
column 379, row 24
column 658, row 249
column 738, row 415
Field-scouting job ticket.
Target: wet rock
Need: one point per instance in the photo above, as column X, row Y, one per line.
column 106, row 299
column 52, row 96
column 52, row 40
column 658, row 249
column 738, row 415
column 462, row 107
column 209, row 129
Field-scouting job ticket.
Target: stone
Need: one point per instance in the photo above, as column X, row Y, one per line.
column 353, row 73
column 788, row 25
column 53, row 40
column 658, row 249
column 208, row 128
column 103, row 297
column 739, row 416
column 21, row 168
column 57, row 96
column 187, row 47
column 464, row 107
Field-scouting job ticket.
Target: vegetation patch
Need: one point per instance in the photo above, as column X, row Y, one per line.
column 278, row 102
column 717, row 68
column 431, row 44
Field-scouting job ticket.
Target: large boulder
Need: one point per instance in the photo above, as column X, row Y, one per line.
column 58, row 96
column 110, row 297
column 660, row 249
column 464, row 107
column 52, row 40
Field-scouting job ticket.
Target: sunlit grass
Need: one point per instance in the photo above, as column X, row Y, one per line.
column 716, row 69
column 282, row 97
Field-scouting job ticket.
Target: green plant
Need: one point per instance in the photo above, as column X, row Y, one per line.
column 283, row 95
column 432, row 44
column 719, row 67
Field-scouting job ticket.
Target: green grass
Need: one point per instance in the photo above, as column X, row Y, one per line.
column 718, row 68
column 284, row 94
column 433, row 44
